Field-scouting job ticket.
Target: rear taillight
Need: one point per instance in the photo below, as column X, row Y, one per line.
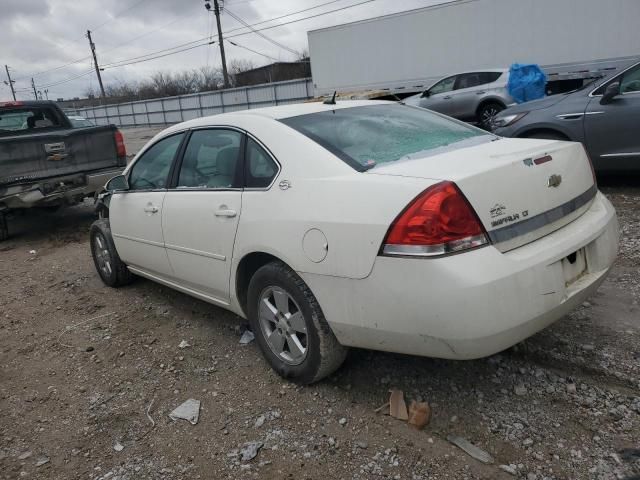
column 121, row 150
column 439, row 221
column 593, row 171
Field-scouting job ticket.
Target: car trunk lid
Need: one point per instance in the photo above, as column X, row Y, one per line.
column 520, row 189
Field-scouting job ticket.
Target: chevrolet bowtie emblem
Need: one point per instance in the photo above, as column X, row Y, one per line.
column 554, row 181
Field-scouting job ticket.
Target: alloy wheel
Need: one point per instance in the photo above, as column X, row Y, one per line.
column 103, row 256
column 283, row 325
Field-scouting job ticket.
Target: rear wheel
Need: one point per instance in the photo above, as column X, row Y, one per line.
column 111, row 269
column 290, row 327
column 4, row 228
column 486, row 113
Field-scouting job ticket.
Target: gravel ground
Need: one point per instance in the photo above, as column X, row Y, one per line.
column 89, row 375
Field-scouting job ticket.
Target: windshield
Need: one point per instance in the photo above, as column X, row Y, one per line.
column 367, row 136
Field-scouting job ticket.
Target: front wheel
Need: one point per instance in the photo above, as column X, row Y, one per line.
column 487, row 112
column 111, row 269
column 290, row 327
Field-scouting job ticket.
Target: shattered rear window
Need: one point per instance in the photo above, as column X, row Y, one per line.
column 367, row 136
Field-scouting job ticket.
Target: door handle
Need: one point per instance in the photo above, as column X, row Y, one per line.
column 223, row 212
column 448, row 97
column 151, row 209
column 481, row 93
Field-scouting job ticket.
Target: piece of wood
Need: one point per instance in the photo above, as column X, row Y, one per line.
column 397, row 406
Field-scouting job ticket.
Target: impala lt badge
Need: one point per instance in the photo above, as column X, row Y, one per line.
column 554, row 181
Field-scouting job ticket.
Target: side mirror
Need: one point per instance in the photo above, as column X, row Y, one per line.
column 425, row 94
column 118, row 183
column 612, row 91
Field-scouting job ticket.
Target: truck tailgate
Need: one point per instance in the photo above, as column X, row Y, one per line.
column 49, row 154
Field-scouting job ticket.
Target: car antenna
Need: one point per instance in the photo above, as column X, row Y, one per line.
column 332, row 100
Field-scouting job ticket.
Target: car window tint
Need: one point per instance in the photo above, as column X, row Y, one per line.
column 631, row 81
column 152, row 168
column 210, row 159
column 365, row 136
column 442, row 86
column 468, row 80
column 489, row 77
column 260, row 168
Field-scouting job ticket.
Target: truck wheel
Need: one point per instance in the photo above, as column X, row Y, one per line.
column 290, row 327
column 112, row 271
column 486, row 113
column 4, row 228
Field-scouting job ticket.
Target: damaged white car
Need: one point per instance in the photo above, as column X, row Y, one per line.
column 368, row 224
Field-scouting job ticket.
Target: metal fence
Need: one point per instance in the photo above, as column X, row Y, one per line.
column 170, row 110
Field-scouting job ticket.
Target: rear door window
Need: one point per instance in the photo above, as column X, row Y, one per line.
column 260, row 169
column 211, row 159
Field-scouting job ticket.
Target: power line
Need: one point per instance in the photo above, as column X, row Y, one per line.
column 118, row 14
column 118, row 64
column 251, row 50
column 270, row 40
column 153, row 55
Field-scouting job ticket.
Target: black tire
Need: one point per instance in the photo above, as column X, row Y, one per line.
column 487, row 111
column 324, row 354
column 548, row 135
column 4, row 228
column 116, row 274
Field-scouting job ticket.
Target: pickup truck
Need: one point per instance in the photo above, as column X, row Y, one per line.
column 46, row 162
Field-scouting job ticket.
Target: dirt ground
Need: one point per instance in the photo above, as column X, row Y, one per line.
column 89, row 374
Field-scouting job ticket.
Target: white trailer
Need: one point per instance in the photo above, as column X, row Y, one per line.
column 406, row 52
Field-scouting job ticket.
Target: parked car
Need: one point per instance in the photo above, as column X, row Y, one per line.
column 366, row 223
column 470, row 96
column 603, row 115
column 79, row 122
column 45, row 162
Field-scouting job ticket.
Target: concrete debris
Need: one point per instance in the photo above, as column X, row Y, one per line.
column 470, row 449
column 118, row 447
column 259, row 421
column 25, row 455
column 247, row 337
column 510, row 469
column 189, row 410
column 41, row 460
column 183, row 344
column 520, row 390
column 250, row 450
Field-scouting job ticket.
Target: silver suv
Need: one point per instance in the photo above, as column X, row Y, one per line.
column 471, row 96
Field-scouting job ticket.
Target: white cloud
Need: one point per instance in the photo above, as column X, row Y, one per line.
column 39, row 35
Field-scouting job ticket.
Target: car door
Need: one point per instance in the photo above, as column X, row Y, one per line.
column 135, row 215
column 202, row 209
column 438, row 97
column 469, row 91
column 611, row 131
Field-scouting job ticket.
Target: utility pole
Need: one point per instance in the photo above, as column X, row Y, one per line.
column 95, row 62
column 33, row 85
column 10, row 82
column 216, row 10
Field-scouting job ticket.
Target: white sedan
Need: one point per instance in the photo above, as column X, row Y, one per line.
column 367, row 224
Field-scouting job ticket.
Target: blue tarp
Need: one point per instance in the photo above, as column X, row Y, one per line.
column 526, row 82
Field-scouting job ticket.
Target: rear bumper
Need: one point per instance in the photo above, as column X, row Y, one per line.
column 472, row 304
column 55, row 190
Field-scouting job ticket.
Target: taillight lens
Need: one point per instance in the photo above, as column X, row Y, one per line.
column 439, row 221
column 121, row 150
